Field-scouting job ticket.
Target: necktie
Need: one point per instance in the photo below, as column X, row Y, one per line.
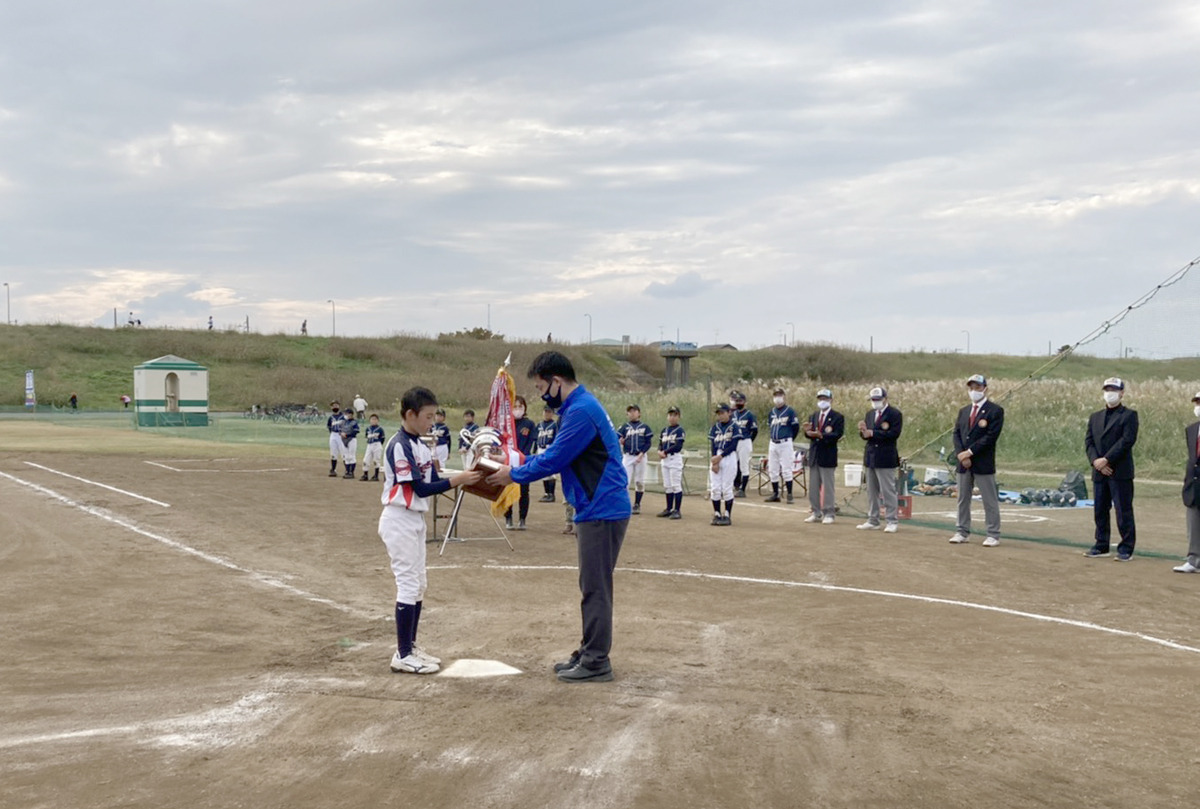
column 974, row 415
column 821, row 423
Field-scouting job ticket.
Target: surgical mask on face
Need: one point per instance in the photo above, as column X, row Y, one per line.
column 880, row 405
column 1111, row 397
column 824, row 404
column 1196, row 410
column 553, row 399
column 733, row 404
column 977, row 395
column 518, row 412
column 778, row 400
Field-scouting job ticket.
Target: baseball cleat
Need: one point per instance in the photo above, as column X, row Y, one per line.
column 412, row 664
column 812, row 518
column 580, row 673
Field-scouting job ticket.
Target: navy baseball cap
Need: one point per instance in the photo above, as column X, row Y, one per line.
column 737, row 396
column 978, row 379
column 722, row 407
column 672, row 409
column 632, row 407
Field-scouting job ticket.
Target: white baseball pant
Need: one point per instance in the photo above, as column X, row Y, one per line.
column 335, row 446
column 403, row 534
column 349, row 451
column 441, row 454
column 720, row 483
column 744, row 448
column 672, row 473
column 635, row 470
column 781, row 457
column 373, row 457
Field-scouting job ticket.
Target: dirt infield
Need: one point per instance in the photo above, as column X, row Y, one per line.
column 231, row 650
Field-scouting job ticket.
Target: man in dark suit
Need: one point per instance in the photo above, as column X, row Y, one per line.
column 824, row 430
column 975, row 435
column 1191, row 493
column 880, row 429
column 1111, row 434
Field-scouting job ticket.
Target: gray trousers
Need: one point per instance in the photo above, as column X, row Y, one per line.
column 1193, row 529
column 820, row 490
column 882, row 483
column 990, row 494
column 599, row 543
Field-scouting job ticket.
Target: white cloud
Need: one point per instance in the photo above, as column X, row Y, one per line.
column 100, row 291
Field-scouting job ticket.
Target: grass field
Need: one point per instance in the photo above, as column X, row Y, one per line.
column 1045, row 419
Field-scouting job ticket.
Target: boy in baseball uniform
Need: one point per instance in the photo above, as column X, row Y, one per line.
column 409, row 481
column 441, row 450
column 723, row 440
column 334, row 425
column 373, row 457
column 349, row 436
column 670, row 452
column 781, row 456
column 635, row 437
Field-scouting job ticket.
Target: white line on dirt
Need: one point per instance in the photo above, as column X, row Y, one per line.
column 98, row 483
column 834, row 588
column 262, row 578
column 192, row 471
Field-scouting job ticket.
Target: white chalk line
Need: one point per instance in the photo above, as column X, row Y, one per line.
column 262, row 578
column 221, row 471
column 835, row 588
column 98, row 483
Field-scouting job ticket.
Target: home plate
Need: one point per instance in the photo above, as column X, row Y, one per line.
column 478, row 668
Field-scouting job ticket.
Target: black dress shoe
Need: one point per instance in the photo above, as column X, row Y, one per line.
column 570, row 663
column 772, row 499
column 580, row 673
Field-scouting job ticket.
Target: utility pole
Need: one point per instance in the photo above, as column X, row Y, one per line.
column 334, row 306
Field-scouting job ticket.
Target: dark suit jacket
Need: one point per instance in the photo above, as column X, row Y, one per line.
column 823, row 451
column 1115, row 443
column 1191, row 478
column 881, row 450
column 980, row 439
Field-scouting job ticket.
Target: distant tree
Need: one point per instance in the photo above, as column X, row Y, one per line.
column 477, row 333
column 1062, row 349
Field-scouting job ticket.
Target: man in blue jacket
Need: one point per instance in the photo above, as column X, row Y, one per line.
column 588, row 456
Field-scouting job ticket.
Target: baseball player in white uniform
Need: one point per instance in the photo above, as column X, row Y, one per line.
column 781, row 455
column 748, row 425
column 670, row 451
column 723, row 439
column 635, row 437
column 409, row 480
column 349, row 436
column 334, row 425
column 373, row 457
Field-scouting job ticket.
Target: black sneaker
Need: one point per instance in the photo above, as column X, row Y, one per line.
column 739, row 493
column 716, row 520
column 580, row 673
column 508, row 524
column 1096, row 553
column 333, row 474
column 1123, row 557
column 790, row 499
column 521, row 525
column 364, row 477
column 727, row 520
column 675, row 515
column 666, row 512
column 637, row 508
column 772, row 499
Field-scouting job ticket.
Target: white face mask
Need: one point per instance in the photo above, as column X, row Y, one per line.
column 778, row 400
column 1196, row 410
column 880, row 405
column 1111, row 397
column 518, row 413
column 824, row 404
column 977, row 395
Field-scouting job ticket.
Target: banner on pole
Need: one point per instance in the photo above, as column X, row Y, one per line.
column 30, row 399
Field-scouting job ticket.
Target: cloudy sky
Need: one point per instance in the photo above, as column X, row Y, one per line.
column 734, row 172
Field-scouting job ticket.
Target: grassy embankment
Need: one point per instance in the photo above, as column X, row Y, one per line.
column 1045, row 420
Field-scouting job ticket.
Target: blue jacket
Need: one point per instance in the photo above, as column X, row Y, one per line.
column 588, row 456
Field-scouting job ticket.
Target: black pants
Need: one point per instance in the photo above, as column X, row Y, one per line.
column 1117, row 495
column 522, row 504
column 599, row 543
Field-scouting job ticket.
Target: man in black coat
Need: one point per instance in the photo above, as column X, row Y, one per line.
column 1191, row 493
column 824, row 430
column 880, row 429
column 1111, row 434
column 975, row 435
